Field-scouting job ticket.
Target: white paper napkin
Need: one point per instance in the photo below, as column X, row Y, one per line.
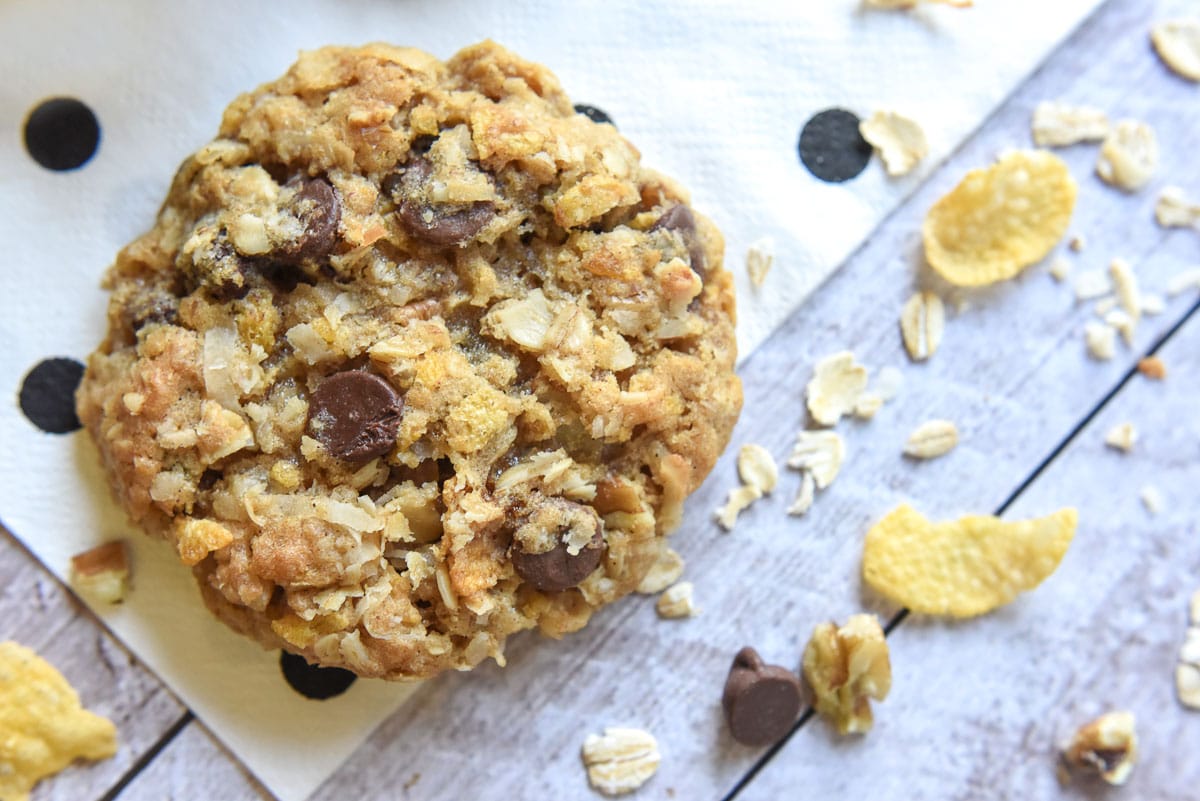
column 712, row 93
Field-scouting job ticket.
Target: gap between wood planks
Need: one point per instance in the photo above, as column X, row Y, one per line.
column 148, row 756
column 1066, row 441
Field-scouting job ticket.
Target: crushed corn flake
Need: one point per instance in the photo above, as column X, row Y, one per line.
column 43, row 726
column 1000, row 219
column 964, row 567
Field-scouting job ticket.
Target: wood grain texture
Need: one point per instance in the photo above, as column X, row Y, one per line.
column 979, row 708
column 196, row 767
column 1011, row 372
column 37, row 611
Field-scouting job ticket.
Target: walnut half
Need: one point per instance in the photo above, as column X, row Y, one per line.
column 846, row 667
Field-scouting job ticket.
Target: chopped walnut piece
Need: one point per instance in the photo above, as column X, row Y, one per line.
column 1153, row 368
column 1106, row 747
column 1129, row 156
column 835, row 386
column 756, row 467
column 1174, row 210
column 1178, row 45
column 102, row 572
column 1122, row 437
column 665, row 571
column 1059, row 125
column 759, row 259
column 739, row 498
column 932, row 439
column 621, row 760
column 820, row 453
column 846, row 667
column 898, row 140
column 676, row 602
column 921, row 324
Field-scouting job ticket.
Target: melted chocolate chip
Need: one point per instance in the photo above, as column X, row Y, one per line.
column 435, row 223
column 156, row 307
column 679, row 218
column 556, row 570
column 319, row 209
column 208, row 479
column 355, row 415
column 761, row 701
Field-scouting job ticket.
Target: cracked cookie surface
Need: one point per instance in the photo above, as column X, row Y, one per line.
column 415, row 357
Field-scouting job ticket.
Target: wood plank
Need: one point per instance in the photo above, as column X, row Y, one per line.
column 37, row 611
column 969, row 719
column 196, row 766
column 1012, row 373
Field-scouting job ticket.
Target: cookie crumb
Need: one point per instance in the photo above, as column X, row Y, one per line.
column 1078, row 243
column 922, row 321
column 1058, row 124
column 102, row 572
column 677, row 602
column 898, row 140
column 1106, row 747
column 1177, row 43
column 932, row 439
column 759, row 259
column 820, row 453
column 1153, row 368
column 1121, row 437
column 846, row 668
column 621, row 760
column 1129, row 156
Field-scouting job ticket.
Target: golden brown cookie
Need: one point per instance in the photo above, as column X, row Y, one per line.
column 414, row 357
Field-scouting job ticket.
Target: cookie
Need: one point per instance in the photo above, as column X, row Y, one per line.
column 414, row 357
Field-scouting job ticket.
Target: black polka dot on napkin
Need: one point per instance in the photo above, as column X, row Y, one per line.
column 594, row 114
column 314, row 681
column 47, row 395
column 831, row 146
column 61, row 133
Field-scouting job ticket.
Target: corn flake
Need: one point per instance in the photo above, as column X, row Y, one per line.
column 43, row 727
column 1000, row 219
column 965, row 567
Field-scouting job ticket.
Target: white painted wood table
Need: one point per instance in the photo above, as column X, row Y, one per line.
column 978, row 708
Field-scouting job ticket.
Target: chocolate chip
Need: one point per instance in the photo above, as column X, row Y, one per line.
column 317, row 205
column 436, row 223
column 314, row 681
column 355, row 415
column 831, row 146
column 761, row 701
column 679, row 218
column 153, row 307
column 208, row 479
column 556, row 570
column 61, row 134
column 594, row 114
column 47, row 395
